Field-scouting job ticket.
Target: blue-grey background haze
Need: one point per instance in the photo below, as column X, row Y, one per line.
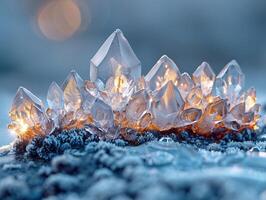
column 188, row 31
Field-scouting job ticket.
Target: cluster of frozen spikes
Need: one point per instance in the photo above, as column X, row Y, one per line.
column 117, row 97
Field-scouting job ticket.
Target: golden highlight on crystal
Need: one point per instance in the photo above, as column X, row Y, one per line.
column 118, row 97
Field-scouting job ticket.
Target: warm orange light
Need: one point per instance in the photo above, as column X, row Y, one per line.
column 59, row 19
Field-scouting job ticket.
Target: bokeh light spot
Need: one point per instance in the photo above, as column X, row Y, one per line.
column 59, row 19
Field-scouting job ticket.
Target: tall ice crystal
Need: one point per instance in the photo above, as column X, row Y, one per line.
column 115, row 56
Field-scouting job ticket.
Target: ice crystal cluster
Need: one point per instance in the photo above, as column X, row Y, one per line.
column 117, row 97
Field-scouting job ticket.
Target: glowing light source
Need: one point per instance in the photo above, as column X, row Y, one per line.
column 59, row 19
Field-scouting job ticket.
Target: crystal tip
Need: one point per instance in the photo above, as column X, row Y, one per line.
column 118, row 31
column 165, row 57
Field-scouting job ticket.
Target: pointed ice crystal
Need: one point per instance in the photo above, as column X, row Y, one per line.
column 27, row 112
column 229, row 82
column 166, row 105
column 55, row 97
column 137, row 106
column 185, row 84
column 169, row 98
column 102, row 115
column 163, row 71
column 72, row 88
column 204, row 77
column 115, row 55
column 195, row 98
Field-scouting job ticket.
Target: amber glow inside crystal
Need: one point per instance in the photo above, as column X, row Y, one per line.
column 118, row 97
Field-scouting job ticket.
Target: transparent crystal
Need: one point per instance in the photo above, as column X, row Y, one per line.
column 204, row 77
column 166, row 105
column 72, row 88
column 117, row 84
column 92, row 88
column 190, row 116
column 185, row 84
column 137, row 106
column 250, row 99
column 88, row 101
column 55, row 97
column 218, row 109
column 243, row 116
column 118, row 102
column 102, row 115
column 229, row 82
column 214, row 113
column 118, row 90
column 163, row 71
column 28, row 113
column 140, row 84
column 195, row 98
column 145, row 120
column 115, row 55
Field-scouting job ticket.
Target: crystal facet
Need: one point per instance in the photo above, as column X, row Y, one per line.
column 137, row 106
column 229, row 82
column 115, row 55
column 163, row 71
column 72, row 88
column 185, row 84
column 55, row 97
column 102, row 114
column 204, row 77
column 167, row 104
column 250, row 99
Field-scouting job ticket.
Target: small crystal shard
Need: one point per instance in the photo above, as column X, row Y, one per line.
column 140, row 84
column 250, row 99
column 55, row 100
column 115, row 55
column 92, row 88
column 238, row 113
column 214, row 113
column 163, row 71
column 190, row 116
column 55, row 96
column 145, row 120
column 166, row 105
column 137, row 106
column 102, row 115
column 204, row 77
column 119, row 90
column 195, row 98
column 218, row 109
column 185, row 84
column 28, row 115
column 229, row 82
column 72, row 88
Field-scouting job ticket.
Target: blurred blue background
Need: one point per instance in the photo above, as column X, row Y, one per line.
column 41, row 41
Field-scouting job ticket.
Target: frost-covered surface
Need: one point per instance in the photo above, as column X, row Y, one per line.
column 76, row 165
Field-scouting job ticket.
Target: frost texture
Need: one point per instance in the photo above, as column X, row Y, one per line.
column 164, row 167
